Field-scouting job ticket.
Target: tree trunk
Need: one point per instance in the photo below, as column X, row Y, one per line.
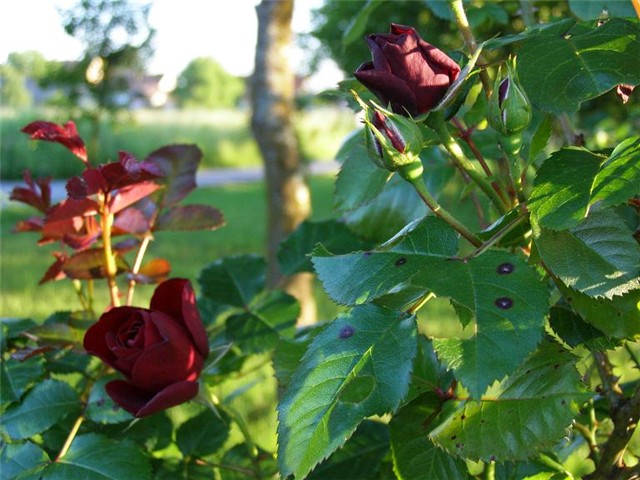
column 288, row 198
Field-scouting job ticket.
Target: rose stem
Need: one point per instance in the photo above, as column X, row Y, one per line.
column 136, row 267
column 437, row 123
column 106, row 222
column 420, row 303
column 436, row 208
column 70, row 437
column 465, row 134
column 495, row 238
column 469, row 39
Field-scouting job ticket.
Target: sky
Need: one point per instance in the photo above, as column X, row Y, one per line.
column 185, row 29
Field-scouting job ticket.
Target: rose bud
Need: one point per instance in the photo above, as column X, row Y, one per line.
column 394, row 143
column 509, row 110
column 159, row 350
column 406, row 72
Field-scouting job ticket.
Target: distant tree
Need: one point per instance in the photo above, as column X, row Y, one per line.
column 13, row 90
column 20, row 67
column 204, row 83
column 117, row 40
column 272, row 99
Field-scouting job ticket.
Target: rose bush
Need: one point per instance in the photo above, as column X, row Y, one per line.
column 159, row 350
column 406, row 72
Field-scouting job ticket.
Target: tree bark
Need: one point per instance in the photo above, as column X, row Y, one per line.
column 288, row 197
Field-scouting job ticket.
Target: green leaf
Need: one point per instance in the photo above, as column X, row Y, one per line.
column 287, row 357
column 618, row 317
column 559, row 72
column 596, row 9
column 234, row 281
column 359, row 180
column 415, row 456
column 45, row 405
column 18, row 458
column 509, row 302
column 574, row 331
column 540, row 138
column 357, row 367
column 572, row 180
column 529, row 411
column 562, row 188
column 190, row 218
column 294, row 252
column 397, row 205
column 360, row 457
column 101, row 408
column 203, row 434
column 17, row 376
column 99, row 458
column 246, row 464
column 357, row 28
column 619, row 177
column 356, row 278
column 599, row 257
column 428, row 373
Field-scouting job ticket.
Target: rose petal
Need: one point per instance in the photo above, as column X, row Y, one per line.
column 96, row 339
column 177, row 299
column 390, row 89
column 141, row 403
column 169, row 361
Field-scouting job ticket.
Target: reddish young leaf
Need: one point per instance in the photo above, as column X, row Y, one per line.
column 66, row 135
column 179, row 164
column 71, row 208
column 131, row 194
column 89, row 264
column 54, row 272
column 190, row 217
column 77, row 232
column 113, row 176
column 130, row 221
column 33, row 224
column 36, row 194
column 154, row 271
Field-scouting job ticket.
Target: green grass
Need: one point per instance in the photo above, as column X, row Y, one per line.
column 223, row 135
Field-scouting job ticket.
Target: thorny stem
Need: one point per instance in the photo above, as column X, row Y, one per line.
column 495, row 238
column 436, row 208
column 106, row 222
column 469, row 39
column 437, row 123
column 465, row 134
column 136, row 267
column 625, row 414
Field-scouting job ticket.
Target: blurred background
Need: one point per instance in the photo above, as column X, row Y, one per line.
column 142, row 74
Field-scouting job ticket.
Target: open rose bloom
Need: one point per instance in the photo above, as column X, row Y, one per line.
column 159, row 350
column 406, row 72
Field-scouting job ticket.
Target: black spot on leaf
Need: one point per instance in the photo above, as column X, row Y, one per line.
column 504, row 303
column 401, row 261
column 346, row 331
column 505, row 268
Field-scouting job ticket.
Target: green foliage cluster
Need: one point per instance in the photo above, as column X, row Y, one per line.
column 205, row 84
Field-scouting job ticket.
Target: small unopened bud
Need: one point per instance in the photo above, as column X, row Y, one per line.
column 394, row 143
column 509, row 108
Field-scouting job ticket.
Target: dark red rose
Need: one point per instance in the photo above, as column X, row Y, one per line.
column 160, row 350
column 406, row 72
